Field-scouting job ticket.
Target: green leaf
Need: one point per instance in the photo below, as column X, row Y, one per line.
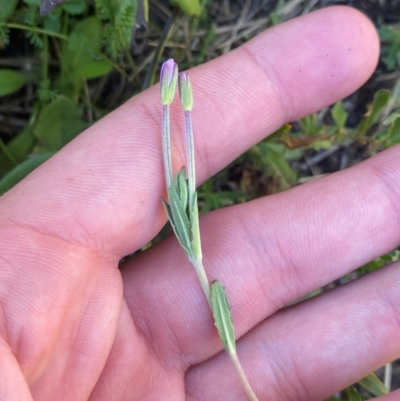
column 381, row 99
column 7, row 8
column 394, row 133
column 92, row 69
column 21, row 171
column 190, row 7
column 222, row 317
column 196, row 243
column 393, row 117
column 279, row 165
column 373, row 385
column 182, row 186
column 180, row 221
column 58, row 123
column 339, row 114
column 11, row 81
column 74, row 7
column 84, row 45
column 19, row 147
column 353, row 394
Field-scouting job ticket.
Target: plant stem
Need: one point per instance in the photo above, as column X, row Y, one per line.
column 34, row 29
column 201, row 274
column 190, row 160
column 166, row 146
column 243, row 379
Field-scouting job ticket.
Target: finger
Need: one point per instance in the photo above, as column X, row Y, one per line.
column 13, row 385
column 394, row 396
column 314, row 349
column 267, row 253
column 103, row 190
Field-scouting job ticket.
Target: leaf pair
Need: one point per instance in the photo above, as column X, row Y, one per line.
column 184, row 217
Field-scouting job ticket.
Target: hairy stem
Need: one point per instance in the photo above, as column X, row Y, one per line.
column 166, row 146
column 34, row 29
column 190, row 160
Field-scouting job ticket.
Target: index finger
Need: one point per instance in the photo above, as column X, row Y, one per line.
column 103, row 190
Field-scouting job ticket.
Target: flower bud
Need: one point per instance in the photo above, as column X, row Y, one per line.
column 185, row 92
column 168, row 80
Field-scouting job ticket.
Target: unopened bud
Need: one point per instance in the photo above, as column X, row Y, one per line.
column 168, row 80
column 185, row 92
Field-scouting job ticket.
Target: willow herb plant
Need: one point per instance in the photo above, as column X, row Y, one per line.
column 182, row 210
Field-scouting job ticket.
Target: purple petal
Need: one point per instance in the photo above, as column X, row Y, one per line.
column 169, row 65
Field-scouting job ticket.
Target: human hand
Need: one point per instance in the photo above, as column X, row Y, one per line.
column 74, row 327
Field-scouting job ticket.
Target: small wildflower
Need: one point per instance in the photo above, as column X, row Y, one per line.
column 185, row 92
column 168, row 81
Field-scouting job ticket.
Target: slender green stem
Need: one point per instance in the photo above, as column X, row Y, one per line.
column 243, row 379
column 201, row 274
column 190, row 160
column 34, row 29
column 166, row 146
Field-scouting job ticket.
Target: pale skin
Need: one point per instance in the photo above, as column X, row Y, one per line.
column 73, row 327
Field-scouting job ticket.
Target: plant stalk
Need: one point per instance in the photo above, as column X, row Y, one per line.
column 201, row 274
column 190, row 160
column 166, row 146
column 34, row 29
column 243, row 379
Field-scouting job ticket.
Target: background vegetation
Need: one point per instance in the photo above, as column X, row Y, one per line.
column 62, row 68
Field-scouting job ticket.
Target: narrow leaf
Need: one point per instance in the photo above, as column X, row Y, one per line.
column 222, row 317
column 353, row 394
column 182, row 185
column 181, row 222
column 373, row 385
column 21, row 171
column 339, row 114
column 196, row 243
column 381, row 99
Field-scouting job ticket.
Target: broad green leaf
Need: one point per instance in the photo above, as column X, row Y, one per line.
column 21, row 171
column 83, row 46
column 92, row 69
column 381, row 99
column 353, row 394
column 222, row 317
column 196, row 243
column 339, row 114
column 11, row 81
column 58, row 123
column 190, row 7
column 7, row 8
column 180, row 221
column 373, row 385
